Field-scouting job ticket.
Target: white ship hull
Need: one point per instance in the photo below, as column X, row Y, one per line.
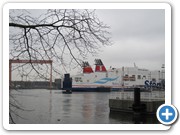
column 117, row 78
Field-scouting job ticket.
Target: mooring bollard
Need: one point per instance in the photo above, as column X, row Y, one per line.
column 138, row 107
column 67, row 82
column 137, row 96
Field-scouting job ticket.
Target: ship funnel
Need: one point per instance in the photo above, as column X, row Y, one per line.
column 99, row 66
column 86, row 67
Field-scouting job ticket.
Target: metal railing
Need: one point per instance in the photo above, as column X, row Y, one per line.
column 148, row 96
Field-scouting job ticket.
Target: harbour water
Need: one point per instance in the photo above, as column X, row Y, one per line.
column 40, row 106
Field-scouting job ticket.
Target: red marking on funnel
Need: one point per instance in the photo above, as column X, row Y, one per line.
column 87, row 70
column 86, row 67
column 99, row 66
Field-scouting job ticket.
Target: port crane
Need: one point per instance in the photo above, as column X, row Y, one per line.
column 11, row 61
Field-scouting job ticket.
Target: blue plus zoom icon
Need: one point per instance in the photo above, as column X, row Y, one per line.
column 167, row 114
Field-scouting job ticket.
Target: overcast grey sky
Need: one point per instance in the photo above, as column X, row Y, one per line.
column 138, row 37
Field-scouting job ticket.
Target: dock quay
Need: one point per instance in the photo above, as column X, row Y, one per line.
column 126, row 105
column 142, row 102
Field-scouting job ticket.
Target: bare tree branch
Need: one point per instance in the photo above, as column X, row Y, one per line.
column 66, row 36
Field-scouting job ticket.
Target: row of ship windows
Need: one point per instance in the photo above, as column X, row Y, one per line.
column 133, row 78
column 78, row 79
column 125, row 78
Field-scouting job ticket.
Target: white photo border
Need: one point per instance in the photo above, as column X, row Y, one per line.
column 8, row 6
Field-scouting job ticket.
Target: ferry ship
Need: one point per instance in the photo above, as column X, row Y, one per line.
column 114, row 79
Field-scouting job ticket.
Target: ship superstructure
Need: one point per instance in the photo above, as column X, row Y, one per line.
column 116, row 78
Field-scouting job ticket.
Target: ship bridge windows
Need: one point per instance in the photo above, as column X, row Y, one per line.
column 129, row 78
column 126, row 78
column 78, row 79
column 144, row 77
column 139, row 77
column 132, row 78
